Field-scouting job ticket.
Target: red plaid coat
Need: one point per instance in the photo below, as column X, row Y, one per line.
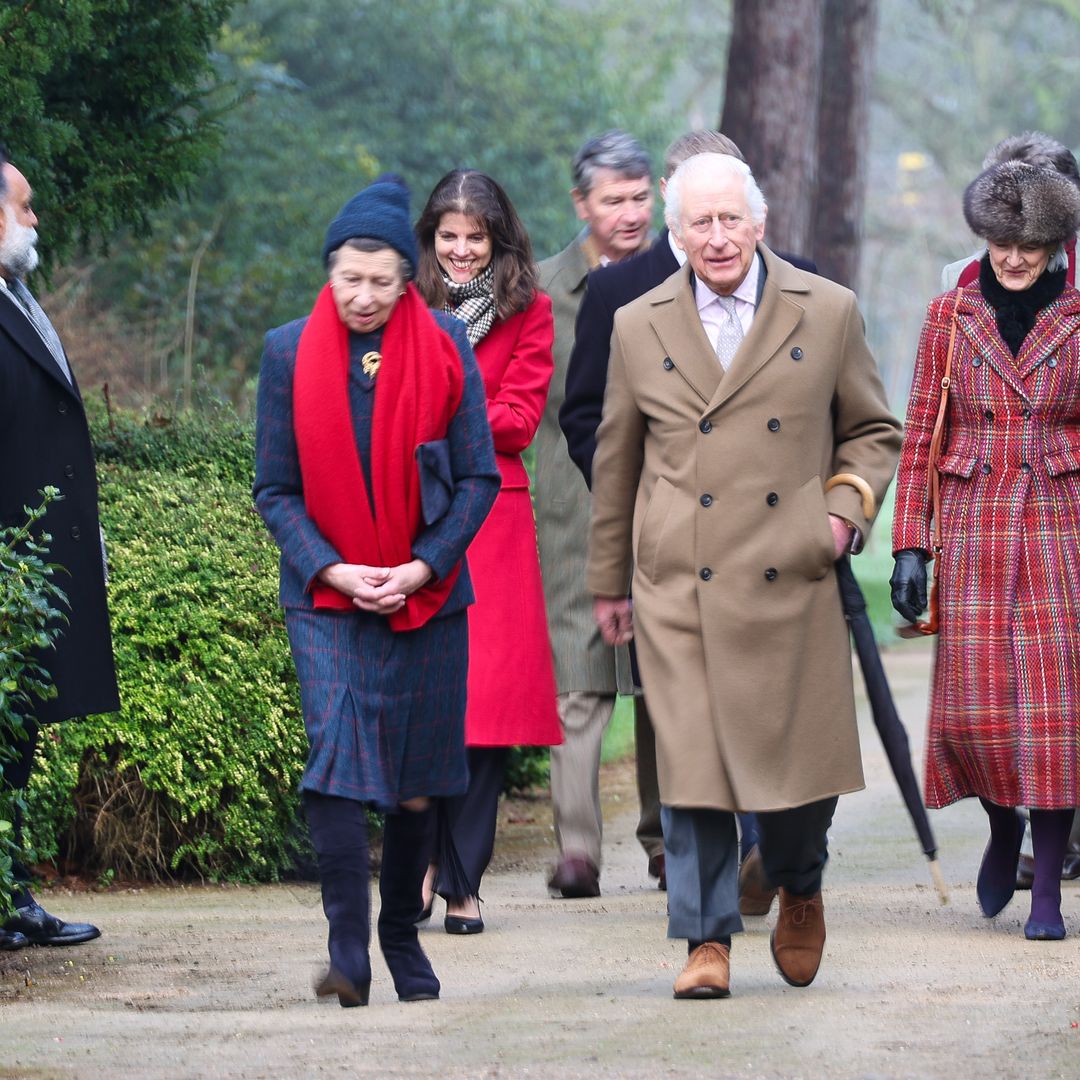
column 1003, row 711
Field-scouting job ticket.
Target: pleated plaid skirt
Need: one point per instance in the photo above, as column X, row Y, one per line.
column 384, row 711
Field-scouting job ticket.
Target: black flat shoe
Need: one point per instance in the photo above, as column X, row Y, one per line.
column 349, row 994
column 425, row 915
column 41, row 928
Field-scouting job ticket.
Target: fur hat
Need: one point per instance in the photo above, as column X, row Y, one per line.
column 379, row 212
column 1035, row 148
column 1017, row 203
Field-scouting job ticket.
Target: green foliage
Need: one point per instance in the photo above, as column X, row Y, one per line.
column 328, row 96
column 199, row 771
column 107, row 107
column 29, row 623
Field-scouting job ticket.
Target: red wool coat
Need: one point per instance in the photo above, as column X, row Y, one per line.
column 511, row 679
column 1003, row 718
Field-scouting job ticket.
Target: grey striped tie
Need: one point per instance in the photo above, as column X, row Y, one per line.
column 40, row 322
column 730, row 334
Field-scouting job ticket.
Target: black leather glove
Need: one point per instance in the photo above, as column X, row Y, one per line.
column 908, row 583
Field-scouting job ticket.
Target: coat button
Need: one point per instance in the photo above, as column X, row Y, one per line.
column 977, row 361
column 706, row 500
column 989, row 414
column 668, row 363
column 770, row 574
column 774, row 424
column 69, row 471
column 1052, row 362
column 1025, row 467
column 772, row 498
column 1026, row 414
column 76, row 532
column 61, row 406
column 986, row 469
column 796, row 353
column 704, row 573
column 705, row 427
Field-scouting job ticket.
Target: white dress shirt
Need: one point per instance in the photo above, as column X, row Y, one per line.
column 712, row 315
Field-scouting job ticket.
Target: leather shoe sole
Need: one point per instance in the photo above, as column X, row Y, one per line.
column 349, row 994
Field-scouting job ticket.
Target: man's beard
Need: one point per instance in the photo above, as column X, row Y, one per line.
column 18, row 249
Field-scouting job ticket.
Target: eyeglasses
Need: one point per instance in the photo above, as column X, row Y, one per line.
column 704, row 225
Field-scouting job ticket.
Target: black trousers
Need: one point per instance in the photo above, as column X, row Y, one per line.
column 466, row 827
column 16, row 777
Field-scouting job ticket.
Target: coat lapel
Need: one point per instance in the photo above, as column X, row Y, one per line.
column 777, row 315
column 675, row 320
column 1055, row 323
column 14, row 320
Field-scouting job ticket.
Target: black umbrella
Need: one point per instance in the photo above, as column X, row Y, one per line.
column 890, row 728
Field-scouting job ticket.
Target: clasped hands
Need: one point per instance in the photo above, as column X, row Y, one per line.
column 378, row 589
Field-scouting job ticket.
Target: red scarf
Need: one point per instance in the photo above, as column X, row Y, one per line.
column 417, row 391
column 970, row 272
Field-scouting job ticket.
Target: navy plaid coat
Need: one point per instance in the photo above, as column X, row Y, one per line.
column 384, row 711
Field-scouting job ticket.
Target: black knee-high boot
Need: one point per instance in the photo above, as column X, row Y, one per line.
column 404, row 863
column 1049, row 840
column 339, row 835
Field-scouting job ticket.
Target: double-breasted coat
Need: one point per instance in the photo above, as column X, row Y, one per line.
column 511, row 687
column 44, row 440
column 709, row 485
column 1003, row 720
column 583, row 662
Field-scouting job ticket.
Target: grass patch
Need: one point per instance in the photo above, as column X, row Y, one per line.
column 619, row 737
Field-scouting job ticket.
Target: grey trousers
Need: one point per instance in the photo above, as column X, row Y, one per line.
column 650, row 832
column 702, row 849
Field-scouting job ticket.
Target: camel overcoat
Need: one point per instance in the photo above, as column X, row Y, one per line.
column 1003, row 720
column 710, row 486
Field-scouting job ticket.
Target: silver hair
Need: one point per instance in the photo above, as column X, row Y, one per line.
column 710, row 163
column 614, row 150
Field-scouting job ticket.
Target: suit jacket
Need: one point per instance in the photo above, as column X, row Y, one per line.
column 606, row 290
column 44, row 440
column 582, row 661
column 708, row 486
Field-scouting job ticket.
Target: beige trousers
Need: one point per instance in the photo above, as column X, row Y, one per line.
column 575, row 775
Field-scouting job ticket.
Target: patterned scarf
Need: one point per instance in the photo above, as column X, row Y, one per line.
column 473, row 302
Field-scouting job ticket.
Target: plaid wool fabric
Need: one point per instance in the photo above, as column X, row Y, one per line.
column 1003, row 720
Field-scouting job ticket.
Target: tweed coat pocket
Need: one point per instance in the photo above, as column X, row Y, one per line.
column 1065, row 460
column 958, row 464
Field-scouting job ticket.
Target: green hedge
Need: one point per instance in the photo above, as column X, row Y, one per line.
column 198, row 774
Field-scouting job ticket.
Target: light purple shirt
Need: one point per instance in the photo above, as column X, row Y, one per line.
column 712, row 314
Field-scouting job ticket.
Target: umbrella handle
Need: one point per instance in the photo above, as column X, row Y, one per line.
column 869, row 503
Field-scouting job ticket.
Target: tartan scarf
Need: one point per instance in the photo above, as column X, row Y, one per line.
column 417, row 391
column 473, row 302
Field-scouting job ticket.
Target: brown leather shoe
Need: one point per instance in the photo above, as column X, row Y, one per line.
column 658, row 869
column 755, row 893
column 707, row 973
column 575, row 878
column 799, row 937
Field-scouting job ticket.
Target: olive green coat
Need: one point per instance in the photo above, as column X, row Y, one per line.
column 710, row 485
column 582, row 661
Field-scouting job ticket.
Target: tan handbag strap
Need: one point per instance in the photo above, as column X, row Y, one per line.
column 933, row 483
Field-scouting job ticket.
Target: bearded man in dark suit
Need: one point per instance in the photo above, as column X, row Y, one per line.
column 44, row 441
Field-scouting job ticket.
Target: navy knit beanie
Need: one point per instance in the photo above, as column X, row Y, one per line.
column 380, row 212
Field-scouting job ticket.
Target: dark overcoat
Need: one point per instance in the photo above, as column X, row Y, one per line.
column 1003, row 720
column 44, row 440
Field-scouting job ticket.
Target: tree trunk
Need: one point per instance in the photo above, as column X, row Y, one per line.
column 843, row 137
column 771, row 108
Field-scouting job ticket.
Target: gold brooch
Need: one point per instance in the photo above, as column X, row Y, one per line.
column 370, row 362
